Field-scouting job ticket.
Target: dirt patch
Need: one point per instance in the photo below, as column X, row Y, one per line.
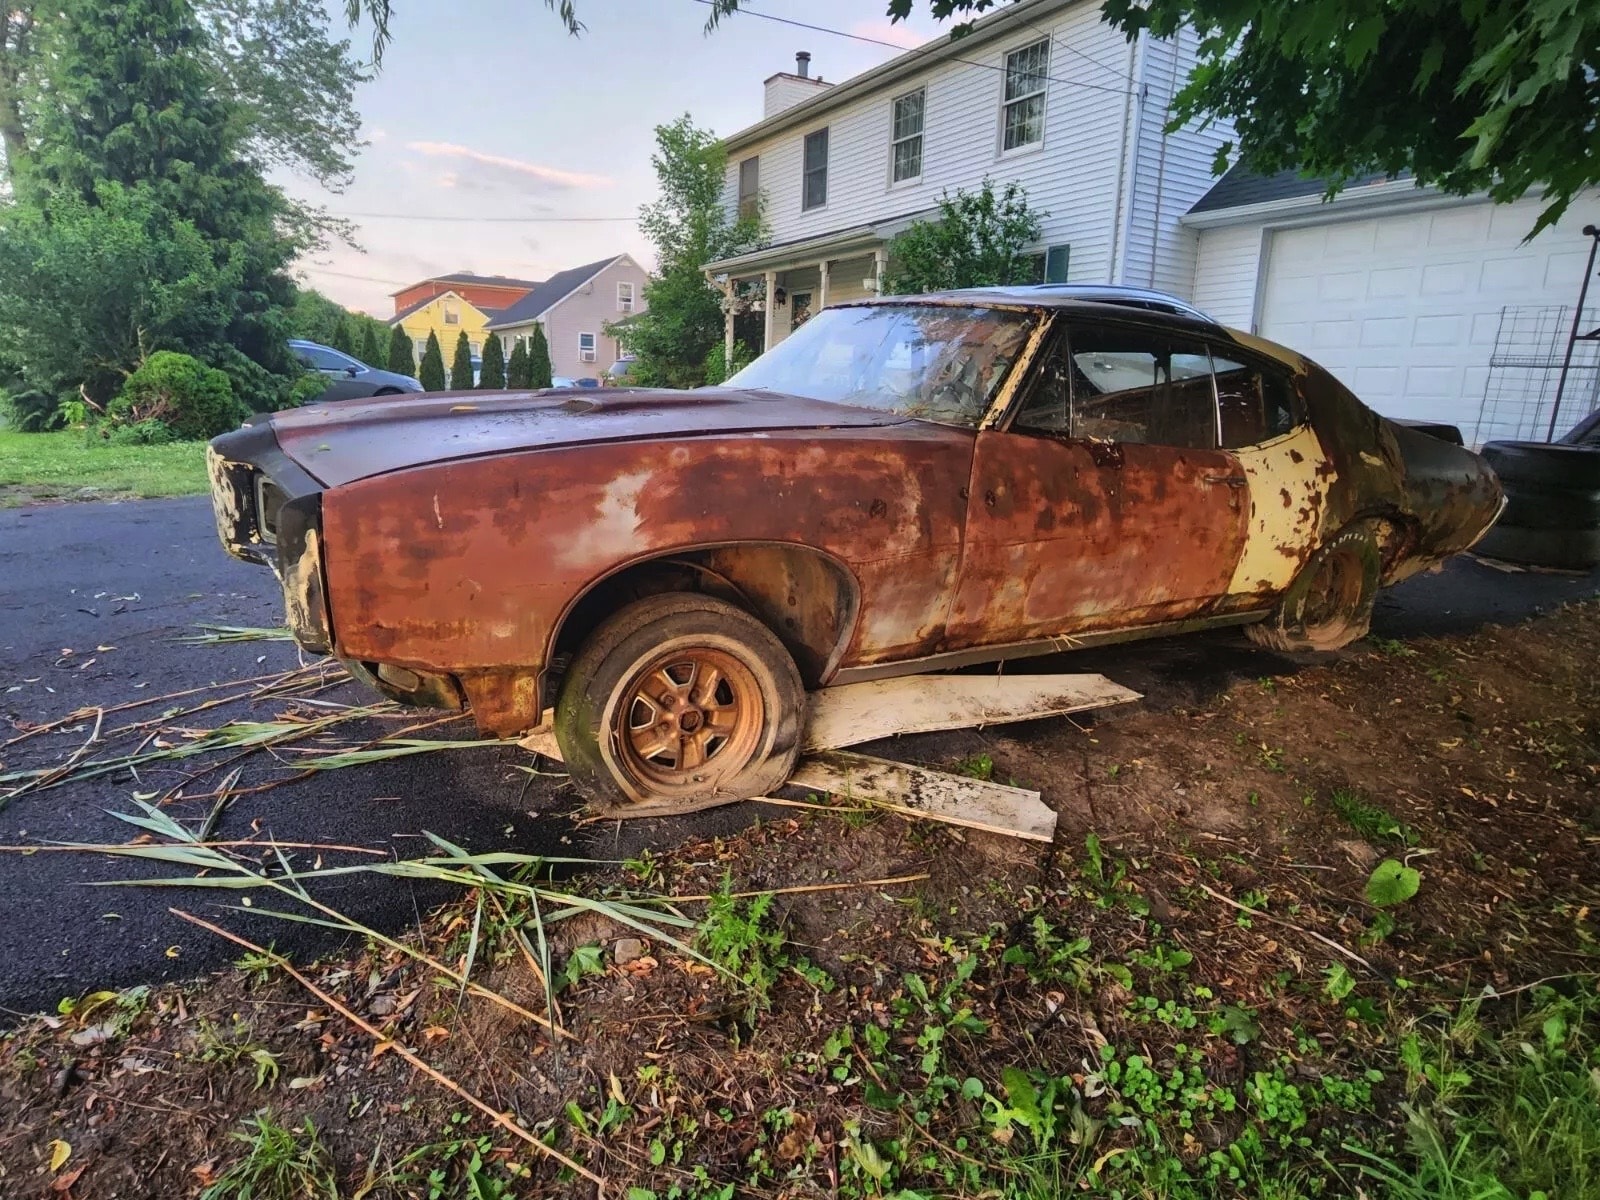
column 1189, row 992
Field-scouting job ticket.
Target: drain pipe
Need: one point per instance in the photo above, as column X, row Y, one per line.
column 1122, row 213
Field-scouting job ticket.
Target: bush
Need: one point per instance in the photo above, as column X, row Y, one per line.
column 306, row 389
column 193, row 401
column 402, row 359
column 431, row 373
column 32, row 411
column 717, row 370
column 140, row 433
column 538, row 359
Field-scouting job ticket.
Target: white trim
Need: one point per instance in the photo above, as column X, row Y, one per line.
column 633, row 297
column 805, row 171
column 1043, row 95
column 593, row 352
column 920, row 135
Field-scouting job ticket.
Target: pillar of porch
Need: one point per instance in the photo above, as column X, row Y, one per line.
column 880, row 264
column 727, row 319
column 822, row 284
column 769, row 311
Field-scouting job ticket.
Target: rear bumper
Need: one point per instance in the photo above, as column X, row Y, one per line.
column 1450, row 493
column 269, row 512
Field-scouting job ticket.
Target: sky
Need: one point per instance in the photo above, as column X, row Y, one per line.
column 488, row 113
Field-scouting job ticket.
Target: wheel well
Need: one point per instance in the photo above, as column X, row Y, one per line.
column 387, row 391
column 806, row 598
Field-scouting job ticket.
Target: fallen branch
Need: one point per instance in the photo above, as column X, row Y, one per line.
column 372, row 1031
column 799, row 889
column 1312, row 933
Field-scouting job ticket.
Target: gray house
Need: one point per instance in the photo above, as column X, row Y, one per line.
column 574, row 307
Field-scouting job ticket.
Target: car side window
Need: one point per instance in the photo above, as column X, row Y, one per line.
column 324, row 360
column 1047, row 404
column 1139, row 385
column 1255, row 404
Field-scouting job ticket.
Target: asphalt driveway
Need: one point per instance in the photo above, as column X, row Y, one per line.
column 92, row 600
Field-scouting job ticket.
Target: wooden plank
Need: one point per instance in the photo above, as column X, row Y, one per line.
column 543, row 739
column 864, row 712
column 932, row 795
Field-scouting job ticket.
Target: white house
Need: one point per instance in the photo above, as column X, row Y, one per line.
column 1403, row 293
column 1041, row 92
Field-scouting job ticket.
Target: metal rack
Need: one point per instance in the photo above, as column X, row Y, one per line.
column 1526, row 369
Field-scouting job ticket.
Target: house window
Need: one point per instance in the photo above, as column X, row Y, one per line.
column 750, row 187
column 1022, row 115
column 814, row 182
column 452, row 315
column 586, row 347
column 905, row 137
column 421, row 345
column 624, row 296
column 1049, row 265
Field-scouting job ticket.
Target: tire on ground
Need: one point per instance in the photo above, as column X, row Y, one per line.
column 1535, row 508
column 1551, row 468
column 1329, row 603
column 750, row 725
column 1562, row 549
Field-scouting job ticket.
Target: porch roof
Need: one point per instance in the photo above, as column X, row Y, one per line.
column 840, row 243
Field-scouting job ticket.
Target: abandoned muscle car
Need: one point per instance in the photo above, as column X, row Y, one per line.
column 903, row 484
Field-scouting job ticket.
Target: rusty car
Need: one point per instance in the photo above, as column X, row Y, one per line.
column 904, row 484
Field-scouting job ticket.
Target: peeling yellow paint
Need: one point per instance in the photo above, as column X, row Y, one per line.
column 1287, row 502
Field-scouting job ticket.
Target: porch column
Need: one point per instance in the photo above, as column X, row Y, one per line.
column 727, row 319
column 769, row 311
column 880, row 263
column 822, row 286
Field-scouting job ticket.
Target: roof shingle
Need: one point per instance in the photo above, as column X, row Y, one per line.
column 557, row 287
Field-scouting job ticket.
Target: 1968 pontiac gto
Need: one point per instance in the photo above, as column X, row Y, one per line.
column 903, row 484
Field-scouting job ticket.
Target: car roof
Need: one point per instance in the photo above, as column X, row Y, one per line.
column 1061, row 295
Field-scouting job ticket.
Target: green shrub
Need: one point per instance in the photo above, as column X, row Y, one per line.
column 461, row 365
column 717, row 369
column 306, row 388
column 517, row 366
column 492, row 374
column 538, row 359
column 192, row 400
column 149, row 432
column 431, row 373
column 32, row 411
column 402, row 359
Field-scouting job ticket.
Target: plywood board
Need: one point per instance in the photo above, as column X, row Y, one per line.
column 933, row 795
column 864, row 712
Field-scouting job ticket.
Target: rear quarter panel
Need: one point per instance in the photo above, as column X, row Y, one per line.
column 471, row 564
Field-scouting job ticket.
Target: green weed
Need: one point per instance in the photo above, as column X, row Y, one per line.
column 278, row 1164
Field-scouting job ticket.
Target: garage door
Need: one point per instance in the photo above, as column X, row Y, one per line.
column 1404, row 308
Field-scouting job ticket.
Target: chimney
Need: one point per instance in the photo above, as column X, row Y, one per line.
column 785, row 89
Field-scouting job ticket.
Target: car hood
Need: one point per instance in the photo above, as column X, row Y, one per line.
column 340, row 443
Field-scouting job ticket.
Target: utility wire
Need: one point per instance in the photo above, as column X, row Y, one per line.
column 924, row 51
column 382, row 216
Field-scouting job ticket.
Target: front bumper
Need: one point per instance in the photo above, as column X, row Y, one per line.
column 269, row 512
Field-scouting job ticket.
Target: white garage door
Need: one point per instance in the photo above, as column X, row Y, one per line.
column 1404, row 308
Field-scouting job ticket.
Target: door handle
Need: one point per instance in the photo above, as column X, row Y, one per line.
column 1233, row 481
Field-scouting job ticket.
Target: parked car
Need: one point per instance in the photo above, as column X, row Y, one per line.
column 901, row 485
column 349, row 378
column 562, row 381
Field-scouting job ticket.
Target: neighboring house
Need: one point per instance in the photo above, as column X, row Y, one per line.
column 448, row 315
column 485, row 291
column 1402, row 292
column 1041, row 92
column 575, row 307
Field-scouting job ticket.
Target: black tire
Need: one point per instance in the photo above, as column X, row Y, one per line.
column 632, row 708
column 1329, row 604
column 1536, row 508
column 1561, row 549
column 1553, row 468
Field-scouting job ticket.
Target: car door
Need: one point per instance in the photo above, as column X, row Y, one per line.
column 343, row 373
column 1101, row 501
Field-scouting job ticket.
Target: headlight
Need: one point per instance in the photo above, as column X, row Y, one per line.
column 269, row 500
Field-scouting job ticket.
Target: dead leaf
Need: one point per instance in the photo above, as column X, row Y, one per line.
column 60, row 1151
column 64, row 1183
column 434, row 1032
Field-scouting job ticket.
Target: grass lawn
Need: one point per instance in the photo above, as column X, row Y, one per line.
column 36, row 467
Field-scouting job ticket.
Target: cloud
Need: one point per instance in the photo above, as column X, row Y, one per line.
column 896, row 33
column 492, row 171
column 377, row 135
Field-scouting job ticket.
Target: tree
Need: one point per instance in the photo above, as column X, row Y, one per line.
column 682, row 314
column 402, row 360
column 978, row 240
column 431, row 373
column 492, row 373
column 461, row 365
column 517, row 367
column 370, row 353
column 538, row 363
column 344, row 336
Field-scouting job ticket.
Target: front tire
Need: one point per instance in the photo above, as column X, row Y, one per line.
column 1329, row 604
column 679, row 702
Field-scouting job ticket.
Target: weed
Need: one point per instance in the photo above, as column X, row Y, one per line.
column 257, row 968
column 1391, row 648
column 976, row 766
column 279, row 1164
column 736, row 936
column 232, row 1044
column 1370, row 820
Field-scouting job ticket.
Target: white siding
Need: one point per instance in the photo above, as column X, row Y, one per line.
column 785, row 91
column 1073, row 176
column 1172, row 171
column 1225, row 273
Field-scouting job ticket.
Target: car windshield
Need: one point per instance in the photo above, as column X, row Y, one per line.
column 935, row 362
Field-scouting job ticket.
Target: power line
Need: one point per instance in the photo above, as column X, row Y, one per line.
column 926, row 50
column 381, row 216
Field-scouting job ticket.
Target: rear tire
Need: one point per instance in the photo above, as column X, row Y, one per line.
column 1329, row 604
column 1558, row 549
column 1552, row 514
column 679, row 702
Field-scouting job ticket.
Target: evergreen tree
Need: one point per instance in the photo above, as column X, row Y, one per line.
column 344, row 337
column 402, row 359
column 538, row 359
column 431, row 373
column 517, row 367
column 492, row 374
column 461, row 365
column 370, row 353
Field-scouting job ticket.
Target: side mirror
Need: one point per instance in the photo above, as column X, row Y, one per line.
column 350, row 371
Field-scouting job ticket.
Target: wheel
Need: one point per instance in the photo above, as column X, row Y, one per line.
column 676, row 703
column 387, row 391
column 1549, row 467
column 1329, row 604
column 1529, row 507
column 1562, row 549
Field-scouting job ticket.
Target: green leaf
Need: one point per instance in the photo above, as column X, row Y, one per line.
column 1392, row 883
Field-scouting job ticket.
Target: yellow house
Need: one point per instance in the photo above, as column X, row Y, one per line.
column 447, row 316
